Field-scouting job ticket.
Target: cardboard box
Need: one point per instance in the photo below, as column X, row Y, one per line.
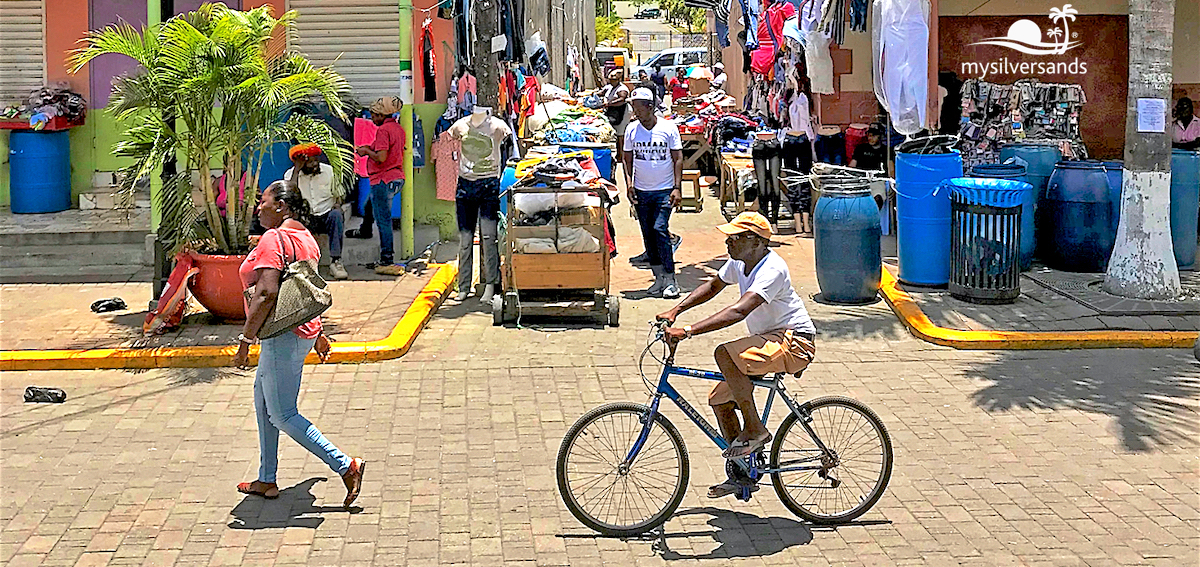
column 698, row 86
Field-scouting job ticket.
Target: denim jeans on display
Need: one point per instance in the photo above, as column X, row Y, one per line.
column 276, row 387
column 381, row 205
column 767, row 162
column 797, row 153
column 654, row 216
column 831, row 149
column 478, row 202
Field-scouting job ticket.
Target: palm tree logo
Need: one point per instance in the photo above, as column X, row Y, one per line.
column 1067, row 13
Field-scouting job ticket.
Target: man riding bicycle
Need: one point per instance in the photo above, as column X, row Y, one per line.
column 781, row 333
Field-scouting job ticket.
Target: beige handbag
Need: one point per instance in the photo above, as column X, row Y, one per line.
column 302, row 296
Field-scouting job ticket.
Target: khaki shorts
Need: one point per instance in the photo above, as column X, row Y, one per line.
column 768, row 353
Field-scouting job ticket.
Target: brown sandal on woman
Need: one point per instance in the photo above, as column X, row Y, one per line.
column 268, row 490
column 353, row 479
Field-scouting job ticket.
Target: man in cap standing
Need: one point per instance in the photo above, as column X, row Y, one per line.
column 781, row 334
column 385, row 167
column 653, row 160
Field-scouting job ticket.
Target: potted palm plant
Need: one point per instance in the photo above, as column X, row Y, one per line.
column 214, row 93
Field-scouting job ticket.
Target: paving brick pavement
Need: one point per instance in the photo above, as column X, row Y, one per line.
column 1002, row 458
column 58, row 316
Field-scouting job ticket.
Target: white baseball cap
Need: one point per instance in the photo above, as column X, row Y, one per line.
column 641, row 93
column 719, row 65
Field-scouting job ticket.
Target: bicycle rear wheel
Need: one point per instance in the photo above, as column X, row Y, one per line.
column 605, row 495
column 850, row 479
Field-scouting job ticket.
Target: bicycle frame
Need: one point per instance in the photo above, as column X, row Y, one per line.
column 665, row 389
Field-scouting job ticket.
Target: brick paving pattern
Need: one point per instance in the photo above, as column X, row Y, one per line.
column 1002, row 458
column 58, row 316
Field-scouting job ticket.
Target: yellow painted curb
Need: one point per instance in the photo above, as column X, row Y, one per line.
column 395, row 345
column 920, row 325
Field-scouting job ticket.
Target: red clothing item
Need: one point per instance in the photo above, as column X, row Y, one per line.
column 679, row 89
column 391, row 137
column 299, row 244
column 763, row 58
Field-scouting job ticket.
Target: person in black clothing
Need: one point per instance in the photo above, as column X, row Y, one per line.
column 871, row 154
column 660, row 82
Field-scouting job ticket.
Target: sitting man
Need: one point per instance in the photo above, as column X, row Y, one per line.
column 315, row 181
column 781, row 333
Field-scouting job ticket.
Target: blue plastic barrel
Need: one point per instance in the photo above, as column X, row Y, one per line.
column 1185, row 204
column 846, row 243
column 1115, row 178
column 1078, row 215
column 1029, row 198
column 40, row 171
column 1041, row 160
column 923, row 216
column 602, row 153
column 364, row 195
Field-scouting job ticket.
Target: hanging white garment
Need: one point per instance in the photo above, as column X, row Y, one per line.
column 900, row 45
column 820, row 63
column 810, row 16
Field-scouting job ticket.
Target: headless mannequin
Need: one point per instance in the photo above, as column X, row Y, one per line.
column 475, row 205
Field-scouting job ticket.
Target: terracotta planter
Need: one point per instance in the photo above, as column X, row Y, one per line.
column 217, row 286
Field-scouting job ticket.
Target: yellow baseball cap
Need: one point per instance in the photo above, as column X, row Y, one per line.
column 747, row 222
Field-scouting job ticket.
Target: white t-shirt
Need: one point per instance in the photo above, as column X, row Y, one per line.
column 480, row 156
column 316, row 189
column 771, row 280
column 653, row 169
column 799, row 117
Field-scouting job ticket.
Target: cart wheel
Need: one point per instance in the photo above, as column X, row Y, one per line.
column 614, row 310
column 498, row 309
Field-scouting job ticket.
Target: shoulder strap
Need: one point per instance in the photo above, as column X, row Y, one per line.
column 283, row 247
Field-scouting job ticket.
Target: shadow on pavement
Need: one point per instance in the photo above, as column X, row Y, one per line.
column 1150, row 393
column 739, row 535
column 295, row 508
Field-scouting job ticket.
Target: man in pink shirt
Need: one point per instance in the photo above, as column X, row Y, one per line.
column 1185, row 135
column 385, row 167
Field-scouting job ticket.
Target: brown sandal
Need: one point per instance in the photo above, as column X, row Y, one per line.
column 353, row 479
column 271, row 491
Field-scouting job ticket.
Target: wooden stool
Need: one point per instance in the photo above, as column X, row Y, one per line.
column 696, row 200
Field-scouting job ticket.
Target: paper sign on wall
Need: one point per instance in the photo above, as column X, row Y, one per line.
column 499, row 43
column 1152, row 115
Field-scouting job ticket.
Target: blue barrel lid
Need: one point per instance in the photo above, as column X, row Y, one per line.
column 1114, row 164
column 987, row 190
column 1080, row 164
column 999, row 169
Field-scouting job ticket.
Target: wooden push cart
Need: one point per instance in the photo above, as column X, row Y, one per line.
column 558, row 284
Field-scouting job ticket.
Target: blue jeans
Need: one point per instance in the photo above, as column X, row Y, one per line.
column 332, row 224
column 276, row 387
column 381, row 207
column 654, row 215
column 478, row 202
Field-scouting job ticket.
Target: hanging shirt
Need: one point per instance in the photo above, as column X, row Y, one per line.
column 428, row 64
column 391, row 137
column 799, row 116
column 445, row 153
column 1183, row 135
column 480, row 157
column 418, row 142
column 653, row 168
column 770, row 29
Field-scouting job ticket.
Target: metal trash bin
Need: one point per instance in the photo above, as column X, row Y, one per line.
column 985, row 239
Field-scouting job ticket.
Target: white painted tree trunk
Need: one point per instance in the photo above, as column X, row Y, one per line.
column 1143, row 262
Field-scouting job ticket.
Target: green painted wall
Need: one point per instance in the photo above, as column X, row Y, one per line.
column 427, row 209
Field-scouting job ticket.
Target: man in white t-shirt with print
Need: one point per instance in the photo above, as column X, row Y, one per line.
column 653, row 159
column 781, row 333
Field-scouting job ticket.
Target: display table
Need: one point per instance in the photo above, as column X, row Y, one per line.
column 732, row 200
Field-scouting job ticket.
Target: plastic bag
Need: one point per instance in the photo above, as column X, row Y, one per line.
column 900, row 49
column 820, row 63
column 533, row 203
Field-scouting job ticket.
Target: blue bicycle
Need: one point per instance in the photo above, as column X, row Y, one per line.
column 622, row 468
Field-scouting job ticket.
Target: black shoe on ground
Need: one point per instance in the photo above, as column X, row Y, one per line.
column 642, row 259
column 359, row 233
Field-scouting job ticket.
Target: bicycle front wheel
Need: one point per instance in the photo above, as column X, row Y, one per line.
column 841, row 484
column 607, row 495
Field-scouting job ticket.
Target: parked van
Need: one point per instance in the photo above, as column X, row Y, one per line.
column 669, row 59
column 612, row 58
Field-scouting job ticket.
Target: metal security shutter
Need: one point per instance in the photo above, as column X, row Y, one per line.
column 359, row 38
column 22, row 49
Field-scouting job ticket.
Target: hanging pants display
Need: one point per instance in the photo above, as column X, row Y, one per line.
column 478, row 202
column 768, row 160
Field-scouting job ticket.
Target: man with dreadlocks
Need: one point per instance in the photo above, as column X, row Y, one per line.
column 315, row 181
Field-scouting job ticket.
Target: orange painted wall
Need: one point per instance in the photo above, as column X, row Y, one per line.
column 66, row 23
column 278, row 42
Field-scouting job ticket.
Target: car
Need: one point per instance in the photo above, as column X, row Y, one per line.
column 648, row 13
column 613, row 58
column 672, row 58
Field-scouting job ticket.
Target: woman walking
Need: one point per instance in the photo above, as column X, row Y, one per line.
column 283, row 212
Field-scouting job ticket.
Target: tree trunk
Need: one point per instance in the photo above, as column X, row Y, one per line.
column 485, row 16
column 1143, row 261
